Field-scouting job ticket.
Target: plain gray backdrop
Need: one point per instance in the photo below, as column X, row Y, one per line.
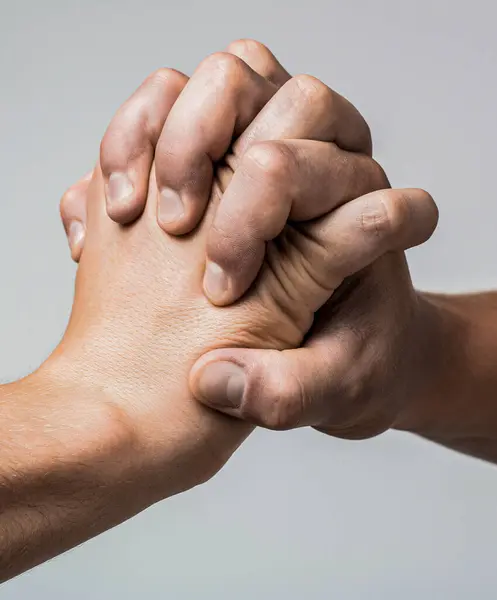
column 293, row 515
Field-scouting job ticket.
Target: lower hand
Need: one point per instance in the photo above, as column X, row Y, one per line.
column 366, row 365
column 140, row 321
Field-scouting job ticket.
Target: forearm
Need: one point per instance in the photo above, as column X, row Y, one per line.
column 64, row 471
column 457, row 404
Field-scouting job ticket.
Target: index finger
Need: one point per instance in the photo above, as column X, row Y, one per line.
column 267, row 185
column 306, row 108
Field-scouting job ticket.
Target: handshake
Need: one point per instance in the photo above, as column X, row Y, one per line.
column 241, row 263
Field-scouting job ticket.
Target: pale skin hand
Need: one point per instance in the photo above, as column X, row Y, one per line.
column 109, row 421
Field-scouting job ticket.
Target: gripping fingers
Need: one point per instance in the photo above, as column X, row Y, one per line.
column 356, row 234
column 274, row 183
column 296, row 180
column 73, row 215
column 259, row 58
column 128, row 147
column 308, row 386
column 220, row 100
column 306, row 108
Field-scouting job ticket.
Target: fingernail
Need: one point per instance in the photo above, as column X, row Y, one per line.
column 222, row 384
column 120, row 190
column 171, row 207
column 216, row 282
column 75, row 233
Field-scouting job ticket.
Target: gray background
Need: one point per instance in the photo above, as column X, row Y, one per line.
column 293, row 515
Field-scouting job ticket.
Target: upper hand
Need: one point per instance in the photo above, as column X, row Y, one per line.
column 347, row 378
column 294, row 148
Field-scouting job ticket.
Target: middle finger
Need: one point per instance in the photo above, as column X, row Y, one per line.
column 306, row 108
column 220, row 100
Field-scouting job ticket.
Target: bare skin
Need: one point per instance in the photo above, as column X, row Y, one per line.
column 379, row 355
column 108, row 424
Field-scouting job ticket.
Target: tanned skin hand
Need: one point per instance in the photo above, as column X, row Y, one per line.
column 380, row 354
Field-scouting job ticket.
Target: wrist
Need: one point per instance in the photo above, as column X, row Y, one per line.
column 171, row 442
column 65, row 470
column 90, row 440
column 440, row 336
column 455, row 402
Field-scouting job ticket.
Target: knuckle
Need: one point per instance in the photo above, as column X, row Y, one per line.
column 163, row 76
column 283, row 406
column 251, row 50
column 219, row 242
column 234, row 246
column 67, row 201
column 272, row 160
column 314, row 90
column 110, row 153
column 280, row 415
column 106, row 143
column 384, row 214
column 167, row 153
column 223, row 65
column 63, row 207
column 137, row 123
column 247, row 47
column 114, row 147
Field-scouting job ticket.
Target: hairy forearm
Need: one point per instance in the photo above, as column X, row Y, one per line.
column 458, row 403
column 64, row 471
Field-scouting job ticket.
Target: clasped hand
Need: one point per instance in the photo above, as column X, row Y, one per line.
column 238, row 243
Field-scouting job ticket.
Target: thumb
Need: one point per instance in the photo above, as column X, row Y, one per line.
column 275, row 389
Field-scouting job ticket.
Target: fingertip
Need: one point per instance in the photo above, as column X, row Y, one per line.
column 182, row 199
column 171, row 211
column 418, row 215
column 217, row 285
column 76, row 233
column 124, row 202
column 177, row 215
column 220, row 385
column 431, row 209
column 234, row 261
column 72, row 210
column 254, row 385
